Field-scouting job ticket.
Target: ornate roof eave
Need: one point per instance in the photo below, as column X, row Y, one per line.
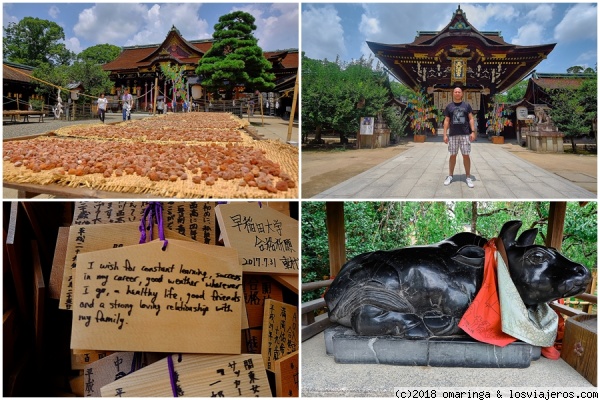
column 428, row 51
column 172, row 35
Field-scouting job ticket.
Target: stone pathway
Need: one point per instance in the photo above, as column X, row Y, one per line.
column 419, row 172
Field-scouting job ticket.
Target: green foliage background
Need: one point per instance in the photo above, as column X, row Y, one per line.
column 388, row 225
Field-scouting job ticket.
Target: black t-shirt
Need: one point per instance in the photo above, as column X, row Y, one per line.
column 459, row 118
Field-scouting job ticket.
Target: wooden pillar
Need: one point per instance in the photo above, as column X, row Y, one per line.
column 293, row 111
column 556, row 224
column 336, row 232
column 155, row 95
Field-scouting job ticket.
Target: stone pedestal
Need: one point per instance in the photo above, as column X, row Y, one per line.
column 545, row 139
column 461, row 351
column 380, row 138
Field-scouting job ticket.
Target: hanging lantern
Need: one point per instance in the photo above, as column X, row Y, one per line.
column 197, row 91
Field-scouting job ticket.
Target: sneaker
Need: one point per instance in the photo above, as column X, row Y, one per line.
column 470, row 183
column 448, row 180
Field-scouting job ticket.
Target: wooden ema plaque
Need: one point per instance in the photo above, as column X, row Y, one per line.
column 196, row 375
column 266, row 240
column 187, row 298
column 280, row 332
column 86, row 238
column 193, row 219
column 106, row 370
column 257, row 289
column 287, row 375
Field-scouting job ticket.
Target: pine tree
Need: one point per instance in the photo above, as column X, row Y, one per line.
column 235, row 57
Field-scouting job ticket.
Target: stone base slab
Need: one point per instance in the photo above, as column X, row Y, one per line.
column 459, row 351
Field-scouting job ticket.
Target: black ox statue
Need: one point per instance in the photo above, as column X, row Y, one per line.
column 422, row 291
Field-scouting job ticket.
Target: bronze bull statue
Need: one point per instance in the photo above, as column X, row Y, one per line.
column 422, row 291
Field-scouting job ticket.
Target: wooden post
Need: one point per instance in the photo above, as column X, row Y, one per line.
column 262, row 117
column 155, row 95
column 292, row 112
column 556, row 224
column 336, row 232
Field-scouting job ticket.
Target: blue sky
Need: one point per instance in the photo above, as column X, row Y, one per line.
column 127, row 24
column 341, row 29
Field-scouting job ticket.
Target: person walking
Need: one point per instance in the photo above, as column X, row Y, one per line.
column 459, row 132
column 127, row 99
column 102, row 104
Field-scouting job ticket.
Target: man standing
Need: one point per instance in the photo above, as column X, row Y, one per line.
column 459, row 119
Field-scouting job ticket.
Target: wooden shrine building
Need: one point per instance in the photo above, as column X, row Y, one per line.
column 480, row 61
column 18, row 87
column 138, row 68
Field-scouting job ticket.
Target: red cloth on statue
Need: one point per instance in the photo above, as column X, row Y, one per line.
column 482, row 320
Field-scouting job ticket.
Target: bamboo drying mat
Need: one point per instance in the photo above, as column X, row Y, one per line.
column 284, row 155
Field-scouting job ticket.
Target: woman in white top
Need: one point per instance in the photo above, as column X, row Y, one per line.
column 102, row 103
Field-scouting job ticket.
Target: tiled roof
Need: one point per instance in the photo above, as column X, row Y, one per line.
column 131, row 57
column 558, row 82
column 15, row 73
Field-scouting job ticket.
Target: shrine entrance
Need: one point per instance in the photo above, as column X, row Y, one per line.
column 480, row 61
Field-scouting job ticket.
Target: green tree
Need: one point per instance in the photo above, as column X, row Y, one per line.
column 569, row 114
column 94, row 79
column 235, row 57
column 514, row 94
column 319, row 95
column 576, row 69
column 588, row 97
column 35, row 41
column 100, row 53
column 55, row 75
column 336, row 95
column 401, row 91
column 362, row 93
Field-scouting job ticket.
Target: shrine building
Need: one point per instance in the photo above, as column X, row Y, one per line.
column 481, row 62
column 138, row 68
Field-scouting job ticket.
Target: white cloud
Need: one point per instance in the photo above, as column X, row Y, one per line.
column 158, row 20
column 74, row 45
column 322, row 33
column 542, row 13
column 530, row 34
column 579, row 23
column 587, row 57
column 276, row 25
column 53, row 11
column 369, row 26
column 110, row 23
column 130, row 24
column 478, row 16
column 7, row 18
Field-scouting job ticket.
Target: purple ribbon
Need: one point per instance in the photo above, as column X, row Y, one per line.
column 172, row 377
column 153, row 211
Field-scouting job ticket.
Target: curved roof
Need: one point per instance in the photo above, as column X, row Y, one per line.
column 459, row 53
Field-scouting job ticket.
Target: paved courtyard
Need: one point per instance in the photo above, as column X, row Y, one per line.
column 419, row 172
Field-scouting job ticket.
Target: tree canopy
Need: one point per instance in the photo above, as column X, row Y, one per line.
column 100, row 53
column 574, row 111
column 235, row 57
column 335, row 95
column 35, row 41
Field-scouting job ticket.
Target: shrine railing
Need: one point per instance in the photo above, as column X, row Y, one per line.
column 314, row 312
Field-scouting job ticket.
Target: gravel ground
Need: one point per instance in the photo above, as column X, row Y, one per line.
column 11, row 130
